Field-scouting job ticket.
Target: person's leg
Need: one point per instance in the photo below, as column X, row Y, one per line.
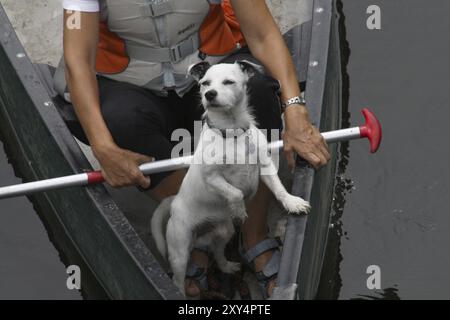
column 183, row 113
column 141, row 122
column 266, row 104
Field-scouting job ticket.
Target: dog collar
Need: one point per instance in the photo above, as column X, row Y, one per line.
column 226, row 132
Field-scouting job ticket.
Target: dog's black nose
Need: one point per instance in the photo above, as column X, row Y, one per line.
column 211, row 95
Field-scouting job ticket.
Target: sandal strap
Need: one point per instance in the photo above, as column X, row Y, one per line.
column 263, row 246
column 271, row 268
column 202, row 248
column 199, row 274
column 269, row 273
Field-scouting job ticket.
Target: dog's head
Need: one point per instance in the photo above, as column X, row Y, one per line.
column 223, row 86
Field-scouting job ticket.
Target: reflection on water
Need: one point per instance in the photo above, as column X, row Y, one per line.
column 385, row 294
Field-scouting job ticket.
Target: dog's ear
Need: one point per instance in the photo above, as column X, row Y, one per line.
column 198, row 70
column 250, row 68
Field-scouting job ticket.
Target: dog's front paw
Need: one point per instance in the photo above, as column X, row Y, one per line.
column 238, row 210
column 230, row 267
column 297, row 205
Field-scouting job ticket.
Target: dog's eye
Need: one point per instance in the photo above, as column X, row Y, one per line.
column 205, row 83
column 228, row 82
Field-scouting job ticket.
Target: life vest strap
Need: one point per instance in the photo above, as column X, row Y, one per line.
column 173, row 54
column 156, row 10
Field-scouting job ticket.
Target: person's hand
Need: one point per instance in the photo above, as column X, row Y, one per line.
column 120, row 167
column 301, row 137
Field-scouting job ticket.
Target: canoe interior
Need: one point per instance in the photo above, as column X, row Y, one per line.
column 107, row 230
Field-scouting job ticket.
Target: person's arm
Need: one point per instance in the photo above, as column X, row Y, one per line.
column 267, row 45
column 119, row 166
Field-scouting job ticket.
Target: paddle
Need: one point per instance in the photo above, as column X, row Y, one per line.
column 371, row 130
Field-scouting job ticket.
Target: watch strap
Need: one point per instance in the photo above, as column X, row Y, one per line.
column 294, row 100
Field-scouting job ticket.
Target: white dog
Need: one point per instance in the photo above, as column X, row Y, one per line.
column 213, row 193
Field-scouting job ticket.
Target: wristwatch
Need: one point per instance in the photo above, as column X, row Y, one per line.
column 295, row 100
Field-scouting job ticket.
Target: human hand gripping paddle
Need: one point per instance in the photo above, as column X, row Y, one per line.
column 370, row 130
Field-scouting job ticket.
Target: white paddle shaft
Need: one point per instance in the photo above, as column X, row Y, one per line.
column 91, row 178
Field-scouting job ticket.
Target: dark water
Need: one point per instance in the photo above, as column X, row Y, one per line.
column 392, row 209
